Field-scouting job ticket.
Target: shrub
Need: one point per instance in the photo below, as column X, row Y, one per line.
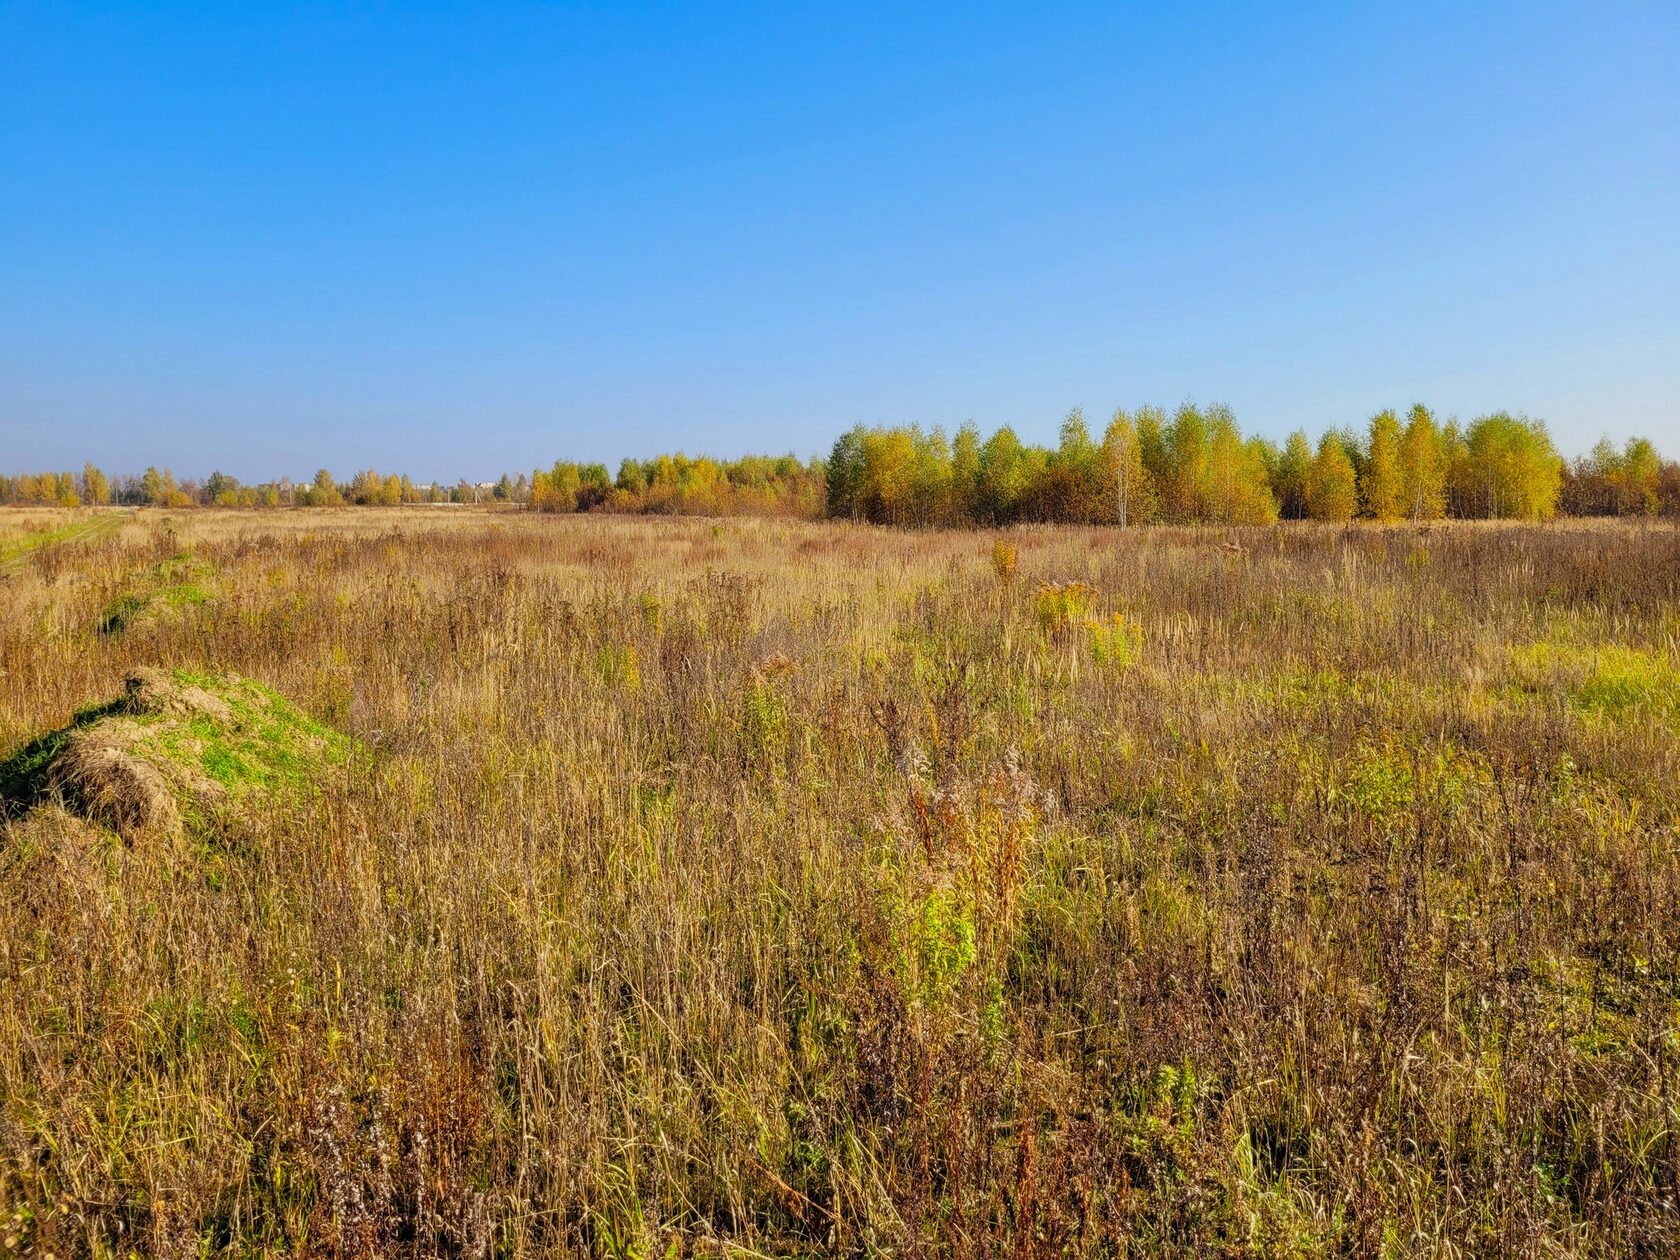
column 1117, row 642
column 1004, row 557
column 1059, row 606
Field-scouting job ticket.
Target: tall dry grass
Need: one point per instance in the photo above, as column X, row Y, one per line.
column 803, row 888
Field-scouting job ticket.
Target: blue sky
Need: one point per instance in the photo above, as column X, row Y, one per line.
column 453, row 240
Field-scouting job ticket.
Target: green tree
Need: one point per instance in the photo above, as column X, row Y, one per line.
column 1003, row 476
column 324, row 491
column 1513, row 467
column 1640, row 476
column 1187, row 465
column 632, row 477
column 1152, row 449
column 965, row 473
column 1068, row 484
column 365, row 488
column 566, row 483
column 158, row 488
column 930, row 478
column 843, row 474
column 594, row 486
column 1457, row 475
column 218, row 484
column 1290, row 483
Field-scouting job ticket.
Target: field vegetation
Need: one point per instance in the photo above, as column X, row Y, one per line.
column 550, row 884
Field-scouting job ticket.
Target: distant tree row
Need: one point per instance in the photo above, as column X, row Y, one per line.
column 160, row 489
column 1193, row 466
column 1196, row 466
column 61, row 489
column 759, row 485
column 1632, row 480
column 756, row 485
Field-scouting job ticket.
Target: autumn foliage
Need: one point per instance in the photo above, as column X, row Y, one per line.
column 1194, row 466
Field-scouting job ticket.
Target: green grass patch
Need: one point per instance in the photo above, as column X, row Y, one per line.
column 266, row 743
column 217, row 742
column 182, row 582
column 1606, row 679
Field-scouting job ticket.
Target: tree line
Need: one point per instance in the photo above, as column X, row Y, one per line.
column 1194, row 466
column 159, row 488
column 755, row 485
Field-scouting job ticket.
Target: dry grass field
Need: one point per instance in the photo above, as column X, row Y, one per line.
column 666, row 887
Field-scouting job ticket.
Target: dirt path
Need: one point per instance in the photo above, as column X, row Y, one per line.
column 14, row 551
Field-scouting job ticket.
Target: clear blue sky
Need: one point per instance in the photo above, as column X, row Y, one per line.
column 453, row 240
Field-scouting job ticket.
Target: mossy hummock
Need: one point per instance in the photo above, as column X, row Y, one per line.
column 178, row 748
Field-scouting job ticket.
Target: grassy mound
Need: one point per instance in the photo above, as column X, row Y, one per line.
column 165, row 591
column 177, row 747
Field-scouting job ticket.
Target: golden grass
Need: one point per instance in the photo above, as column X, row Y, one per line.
column 767, row 887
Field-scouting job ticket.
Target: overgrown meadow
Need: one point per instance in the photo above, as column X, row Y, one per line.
column 783, row 888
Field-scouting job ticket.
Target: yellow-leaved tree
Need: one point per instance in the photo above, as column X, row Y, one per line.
column 1331, row 490
column 1423, row 467
column 1134, row 496
column 1382, row 485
